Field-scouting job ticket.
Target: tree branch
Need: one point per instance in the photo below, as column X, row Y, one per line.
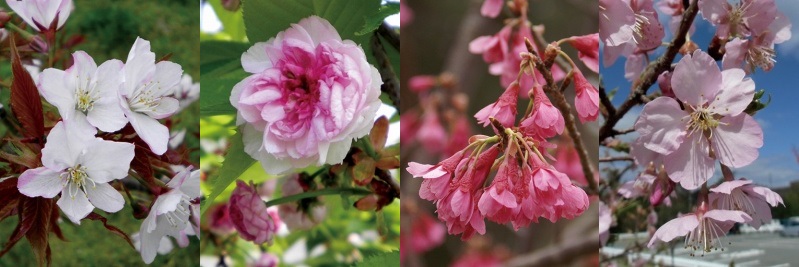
column 391, row 35
column 390, row 82
column 558, row 255
column 650, row 75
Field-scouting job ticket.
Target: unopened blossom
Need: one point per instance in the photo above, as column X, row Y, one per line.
column 742, row 19
column 757, row 52
column 491, row 8
column 711, row 126
column 625, row 26
column 310, row 94
column 702, row 229
column 587, row 50
column 586, row 99
column 171, row 214
column 545, row 121
column 431, row 132
column 664, row 82
column 186, row 92
column 248, row 214
column 146, row 95
column 422, row 83
column 744, row 196
column 426, row 233
column 292, row 214
column 79, row 166
column 40, row 14
column 86, row 92
column 503, row 110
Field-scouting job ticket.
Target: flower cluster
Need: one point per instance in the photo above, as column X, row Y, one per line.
column 704, row 113
column 526, row 185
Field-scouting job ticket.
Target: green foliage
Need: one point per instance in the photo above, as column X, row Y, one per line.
column 236, row 162
column 386, row 259
column 113, row 26
column 374, row 21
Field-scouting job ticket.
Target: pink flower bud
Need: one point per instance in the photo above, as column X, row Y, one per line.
column 249, row 215
column 422, row 83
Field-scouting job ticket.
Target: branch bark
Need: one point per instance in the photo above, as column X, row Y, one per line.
column 558, row 255
column 390, row 82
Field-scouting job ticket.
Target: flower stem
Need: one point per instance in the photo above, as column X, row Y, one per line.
column 326, row 191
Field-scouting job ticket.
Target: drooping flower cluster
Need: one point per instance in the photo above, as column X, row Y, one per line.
column 310, row 94
column 526, row 185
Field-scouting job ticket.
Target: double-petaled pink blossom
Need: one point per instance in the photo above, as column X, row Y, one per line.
column 310, row 94
column 704, row 123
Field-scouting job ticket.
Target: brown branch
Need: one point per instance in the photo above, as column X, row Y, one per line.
column 650, row 75
column 571, row 125
column 390, row 35
column 612, row 159
column 558, row 255
column 607, row 106
column 390, row 85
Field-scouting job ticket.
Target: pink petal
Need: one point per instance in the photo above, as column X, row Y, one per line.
column 680, row 226
column 728, row 186
column 491, row 8
column 662, row 125
column 735, row 95
column 736, row 140
column 691, row 164
column 696, row 78
column 728, row 216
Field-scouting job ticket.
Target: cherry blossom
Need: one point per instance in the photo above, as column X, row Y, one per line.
column 747, row 17
column 586, row 100
column 758, row 51
column 625, row 26
column 310, row 94
column 186, row 92
column 79, row 166
column 587, row 50
column 170, row 214
column 713, row 120
column 744, row 196
column 503, row 110
column 40, row 14
column 703, row 229
column 545, row 121
column 147, row 94
column 292, row 214
column 491, row 8
column 86, row 92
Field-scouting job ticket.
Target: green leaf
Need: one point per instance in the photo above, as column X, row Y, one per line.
column 385, row 259
column 232, row 23
column 263, row 19
column 213, row 51
column 236, row 162
column 373, row 21
column 215, row 90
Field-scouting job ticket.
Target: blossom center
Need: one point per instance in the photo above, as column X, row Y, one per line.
column 761, row 56
column 85, row 101
column 737, row 17
column 144, row 99
column 705, row 236
column 702, row 120
column 76, row 178
column 641, row 22
column 180, row 216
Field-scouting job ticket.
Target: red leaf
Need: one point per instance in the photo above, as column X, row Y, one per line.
column 25, row 100
column 34, row 224
column 9, row 197
column 97, row 217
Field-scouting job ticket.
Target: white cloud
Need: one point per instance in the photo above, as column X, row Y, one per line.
column 772, row 171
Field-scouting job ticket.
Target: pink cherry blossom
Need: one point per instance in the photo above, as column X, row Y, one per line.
column 747, row 17
column 759, row 51
column 219, row 220
column 40, row 14
column 664, row 82
column 422, row 83
column 545, row 121
column 406, row 15
column 587, row 50
column 493, row 48
column 491, row 8
column 503, row 110
column 249, row 215
column 426, row 233
column 625, row 26
column 431, row 133
column 713, row 118
column 634, row 66
column 744, row 196
column 146, row 95
column 586, row 100
column 703, row 229
column 310, row 94
column 86, row 92
column 79, row 166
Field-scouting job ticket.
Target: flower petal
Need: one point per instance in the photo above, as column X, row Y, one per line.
column 107, row 160
column 735, row 95
column 255, row 60
column 736, row 140
column 75, row 207
column 662, row 125
column 105, row 197
column 680, row 226
column 151, row 131
column 40, row 182
column 696, row 78
column 691, row 165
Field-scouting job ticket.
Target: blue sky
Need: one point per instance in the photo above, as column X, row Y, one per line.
column 776, row 165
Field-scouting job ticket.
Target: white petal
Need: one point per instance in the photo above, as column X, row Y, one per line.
column 105, row 197
column 680, row 226
column 167, row 202
column 77, row 207
column 65, row 143
column 108, row 117
column 151, row 131
column 735, row 95
column 107, row 160
column 167, row 76
column 58, row 91
column 40, row 182
column 150, row 241
column 166, row 107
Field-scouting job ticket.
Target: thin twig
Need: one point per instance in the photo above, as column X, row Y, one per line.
column 390, row 82
column 612, row 159
column 607, row 106
column 650, row 75
column 559, row 255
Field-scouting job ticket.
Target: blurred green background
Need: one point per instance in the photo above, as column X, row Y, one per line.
column 109, row 29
